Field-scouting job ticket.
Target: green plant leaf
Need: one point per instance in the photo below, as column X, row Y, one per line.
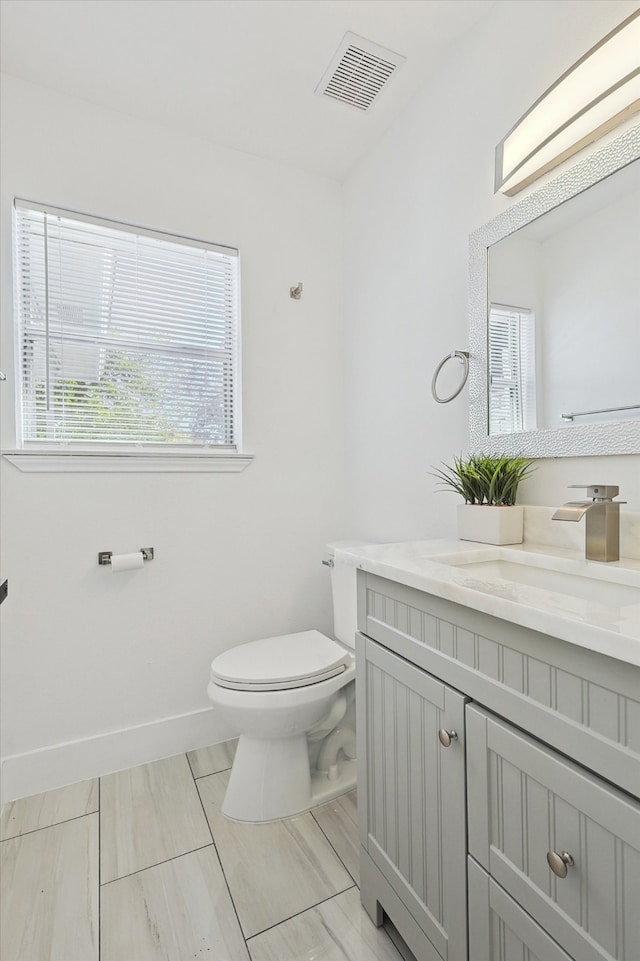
column 484, row 479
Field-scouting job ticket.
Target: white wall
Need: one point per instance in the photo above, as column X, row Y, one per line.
column 86, row 652
column 591, row 290
column 410, row 207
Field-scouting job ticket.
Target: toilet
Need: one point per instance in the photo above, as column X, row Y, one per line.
column 292, row 700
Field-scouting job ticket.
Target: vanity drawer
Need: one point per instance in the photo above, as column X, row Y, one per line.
column 524, row 801
column 584, row 704
column 499, row 930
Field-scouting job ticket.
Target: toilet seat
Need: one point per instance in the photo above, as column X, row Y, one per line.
column 280, row 663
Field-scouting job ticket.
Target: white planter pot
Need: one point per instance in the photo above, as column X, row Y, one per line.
column 490, row 525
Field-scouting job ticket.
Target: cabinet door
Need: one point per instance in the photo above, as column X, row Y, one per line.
column 412, row 792
column 499, row 930
column 525, row 802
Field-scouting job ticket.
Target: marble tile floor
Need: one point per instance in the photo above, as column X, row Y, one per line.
column 142, row 866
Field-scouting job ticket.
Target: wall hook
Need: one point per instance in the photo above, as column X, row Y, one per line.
column 296, row 292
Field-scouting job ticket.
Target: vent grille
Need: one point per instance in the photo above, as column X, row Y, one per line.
column 358, row 72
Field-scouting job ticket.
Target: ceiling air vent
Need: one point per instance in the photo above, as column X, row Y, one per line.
column 358, row 72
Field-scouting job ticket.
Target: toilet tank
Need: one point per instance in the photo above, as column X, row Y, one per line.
column 343, row 590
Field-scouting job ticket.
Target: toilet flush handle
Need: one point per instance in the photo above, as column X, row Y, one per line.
column 328, row 563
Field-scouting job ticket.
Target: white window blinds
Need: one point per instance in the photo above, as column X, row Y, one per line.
column 512, row 386
column 126, row 336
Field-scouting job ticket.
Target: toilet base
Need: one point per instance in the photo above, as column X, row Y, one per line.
column 323, row 789
column 270, row 780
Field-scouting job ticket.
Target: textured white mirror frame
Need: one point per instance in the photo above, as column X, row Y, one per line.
column 575, row 441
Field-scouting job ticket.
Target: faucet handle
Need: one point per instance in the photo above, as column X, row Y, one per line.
column 599, row 491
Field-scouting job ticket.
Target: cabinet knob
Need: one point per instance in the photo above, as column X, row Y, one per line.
column 559, row 863
column 446, row 737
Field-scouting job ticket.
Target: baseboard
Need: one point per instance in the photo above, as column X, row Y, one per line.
column 60, row 764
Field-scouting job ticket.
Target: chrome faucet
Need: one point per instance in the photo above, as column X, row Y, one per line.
column 602, row 541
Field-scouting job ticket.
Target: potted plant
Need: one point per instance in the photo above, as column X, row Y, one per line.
column 489, row 486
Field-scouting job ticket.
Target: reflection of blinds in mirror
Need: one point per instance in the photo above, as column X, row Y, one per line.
column 512, row 383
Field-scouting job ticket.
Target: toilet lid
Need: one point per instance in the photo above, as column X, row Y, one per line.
column 279, row 663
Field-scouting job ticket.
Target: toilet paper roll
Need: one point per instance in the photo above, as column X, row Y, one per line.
column 126, row 562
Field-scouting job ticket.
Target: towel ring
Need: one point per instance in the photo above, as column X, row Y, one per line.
column 463, row 355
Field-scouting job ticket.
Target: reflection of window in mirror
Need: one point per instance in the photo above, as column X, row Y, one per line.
column 512, row 374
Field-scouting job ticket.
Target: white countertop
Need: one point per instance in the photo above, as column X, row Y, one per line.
column 609, row 628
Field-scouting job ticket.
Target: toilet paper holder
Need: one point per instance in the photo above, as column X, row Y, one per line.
column 104, row 557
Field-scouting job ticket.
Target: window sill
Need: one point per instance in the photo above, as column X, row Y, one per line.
column 166, row 462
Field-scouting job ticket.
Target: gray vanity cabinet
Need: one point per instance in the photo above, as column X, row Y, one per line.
column 411, row 797
column 499, row 930
column 525, row 801
column 546, row 762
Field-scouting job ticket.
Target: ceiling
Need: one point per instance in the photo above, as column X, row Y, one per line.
column 239, row 73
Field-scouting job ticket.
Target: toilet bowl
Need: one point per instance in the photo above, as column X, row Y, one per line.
column 292, row 700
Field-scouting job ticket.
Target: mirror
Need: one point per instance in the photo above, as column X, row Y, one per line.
column 554, row 322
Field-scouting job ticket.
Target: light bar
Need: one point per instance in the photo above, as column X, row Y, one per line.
column 596, row 94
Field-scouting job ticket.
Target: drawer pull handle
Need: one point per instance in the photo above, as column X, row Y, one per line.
column 559, row 863
column 446, row 737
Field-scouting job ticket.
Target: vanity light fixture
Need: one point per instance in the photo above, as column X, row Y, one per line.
column 596, row 94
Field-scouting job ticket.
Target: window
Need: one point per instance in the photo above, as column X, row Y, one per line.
column 128, row 337
column 512, row 385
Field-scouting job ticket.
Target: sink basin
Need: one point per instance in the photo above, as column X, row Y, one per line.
column 548, row 574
